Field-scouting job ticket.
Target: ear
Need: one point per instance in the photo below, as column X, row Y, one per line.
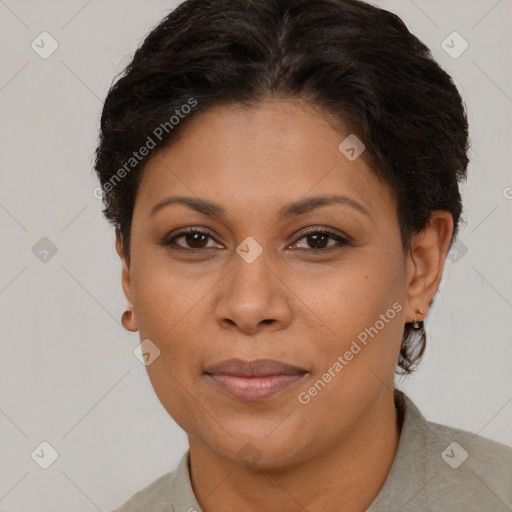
column 131, row 324
column 425, row 264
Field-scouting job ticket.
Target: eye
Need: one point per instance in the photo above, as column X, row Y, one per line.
column 318, row 237
column 194, row 238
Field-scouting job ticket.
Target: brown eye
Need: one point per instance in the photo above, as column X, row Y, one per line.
column 317, row 240
column 193, row 239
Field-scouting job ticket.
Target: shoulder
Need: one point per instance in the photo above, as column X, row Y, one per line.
column 481, row 451
column 471, row 462
column 155, row 497
column 462, row 470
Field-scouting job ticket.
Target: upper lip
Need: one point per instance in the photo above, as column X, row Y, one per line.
column 255, row 368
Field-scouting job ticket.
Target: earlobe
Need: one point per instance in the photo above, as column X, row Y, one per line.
column 426, row 263
column 128, row 320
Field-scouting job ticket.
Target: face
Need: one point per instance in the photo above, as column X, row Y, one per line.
column 324, row 288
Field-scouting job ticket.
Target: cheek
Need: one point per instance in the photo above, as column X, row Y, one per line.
column 359, row 355
column 352, row 297
column 165, row 298
column 168, row 308
column 362, row 309
column 169, row 312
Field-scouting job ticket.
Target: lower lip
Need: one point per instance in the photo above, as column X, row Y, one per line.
column 254, row 389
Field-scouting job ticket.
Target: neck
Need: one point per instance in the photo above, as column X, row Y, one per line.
column 347, row 476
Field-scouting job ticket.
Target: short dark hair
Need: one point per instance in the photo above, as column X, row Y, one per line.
column 354, row 61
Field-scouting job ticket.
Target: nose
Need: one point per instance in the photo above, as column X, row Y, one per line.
column 254, row 297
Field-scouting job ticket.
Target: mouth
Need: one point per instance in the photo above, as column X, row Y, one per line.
column 254, row 381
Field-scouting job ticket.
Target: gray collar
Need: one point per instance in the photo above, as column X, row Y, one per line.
column 407, row 478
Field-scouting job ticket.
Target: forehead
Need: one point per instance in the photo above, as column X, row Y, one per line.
column 260, row 158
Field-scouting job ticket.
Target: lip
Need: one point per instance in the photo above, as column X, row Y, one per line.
column 254, row 381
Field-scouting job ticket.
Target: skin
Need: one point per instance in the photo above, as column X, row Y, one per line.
column 290, row 304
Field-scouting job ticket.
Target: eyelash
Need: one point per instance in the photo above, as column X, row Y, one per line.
column 342, row 241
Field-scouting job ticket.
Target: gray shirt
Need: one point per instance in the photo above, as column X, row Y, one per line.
column 436, row 468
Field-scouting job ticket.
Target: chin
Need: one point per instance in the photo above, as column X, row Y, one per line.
column 256, row 448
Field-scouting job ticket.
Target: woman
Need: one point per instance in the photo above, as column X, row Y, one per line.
column 283, row 179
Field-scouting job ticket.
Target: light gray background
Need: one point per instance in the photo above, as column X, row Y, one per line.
column 68, row 375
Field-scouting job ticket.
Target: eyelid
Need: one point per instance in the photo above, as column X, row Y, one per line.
column 339, row 237
column 169, row 240
column 323, row 229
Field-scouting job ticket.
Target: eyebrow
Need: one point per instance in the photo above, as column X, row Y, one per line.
column 296, row 208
